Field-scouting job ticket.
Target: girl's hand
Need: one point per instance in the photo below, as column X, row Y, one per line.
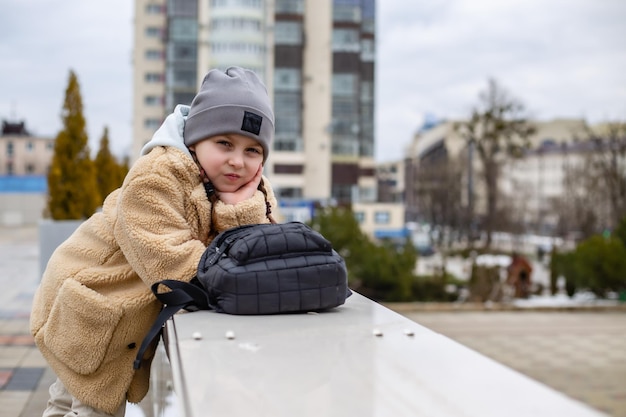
column 245, row 192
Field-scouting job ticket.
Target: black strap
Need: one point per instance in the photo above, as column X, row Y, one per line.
column 182, row 295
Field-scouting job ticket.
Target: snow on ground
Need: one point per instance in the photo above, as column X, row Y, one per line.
column 461, row 269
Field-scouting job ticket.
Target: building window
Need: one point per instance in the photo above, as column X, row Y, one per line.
column 359, row 216
column 154, row 9
column 288, row 33
column 236, row 48
column 345, row 146
column 152, row 124
column 290, row 6
column 153, row 32
column 183, row 29
column 154, row 77
column 287, row 79
column 30, row 146
column 287, row 107
column 366, row 147
column 30, row 168
column 288, row 143
column 253, row 4
column 342, row 192
column 367, row 91
column 344, row 85
column 183, row 98
column 183, row 52
column 152, row 101
column 288, row 169
column 381, row 217
column 154, row 55
column 346, row 40
column 368, row 26
column 10, row 148
column 182, row 77
column 368, row 52
column 367, row 194
column 183, row 7
column 289, row 192
column 346, row 13
column 238, row 24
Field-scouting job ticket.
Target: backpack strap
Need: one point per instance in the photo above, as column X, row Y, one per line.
column 183, row 295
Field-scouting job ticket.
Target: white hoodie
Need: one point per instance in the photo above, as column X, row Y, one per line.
column 171, row 131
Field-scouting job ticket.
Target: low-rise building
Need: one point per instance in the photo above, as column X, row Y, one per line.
column 24, row 163
column 444, row 183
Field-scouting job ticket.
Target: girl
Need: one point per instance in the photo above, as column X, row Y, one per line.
column 199, row 175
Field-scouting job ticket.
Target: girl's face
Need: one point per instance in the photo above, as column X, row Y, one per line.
column 229, row 161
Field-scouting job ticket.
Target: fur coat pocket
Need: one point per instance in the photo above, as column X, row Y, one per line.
column 80, row 327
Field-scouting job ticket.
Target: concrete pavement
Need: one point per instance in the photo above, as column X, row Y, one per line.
column 579, row 353
column 582, row 354
column 24, row 375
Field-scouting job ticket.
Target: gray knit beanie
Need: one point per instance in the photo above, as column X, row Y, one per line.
column 234, row 101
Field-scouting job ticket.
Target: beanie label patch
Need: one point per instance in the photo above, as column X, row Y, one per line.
column 252, row 122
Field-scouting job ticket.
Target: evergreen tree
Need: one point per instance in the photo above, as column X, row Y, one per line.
column 381, row 272
column 72, row 190
column 620, row 231
column 109, row 173
column 125, row 167
column 599, row 264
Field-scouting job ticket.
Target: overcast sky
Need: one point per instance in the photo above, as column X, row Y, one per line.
column 561, row 58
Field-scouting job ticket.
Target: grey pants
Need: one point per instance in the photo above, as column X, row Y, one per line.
column 62, row 404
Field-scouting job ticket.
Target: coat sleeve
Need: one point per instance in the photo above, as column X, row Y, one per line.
column 156, row 227
column 250, row 211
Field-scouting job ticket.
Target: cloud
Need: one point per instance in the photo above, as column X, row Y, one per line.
column 44, row 40
column 560, row 58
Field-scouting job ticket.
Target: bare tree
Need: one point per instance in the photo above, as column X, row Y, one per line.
column 497, row 129
column 594, row 197
column 439, row 196
column 606, row 169
column 577, row 206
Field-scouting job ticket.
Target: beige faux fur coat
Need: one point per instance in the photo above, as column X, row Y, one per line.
column 94, row 305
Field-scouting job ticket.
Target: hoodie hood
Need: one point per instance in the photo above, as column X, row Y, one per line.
column 171, row 132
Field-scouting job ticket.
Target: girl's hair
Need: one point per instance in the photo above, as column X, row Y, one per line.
column 268, row 206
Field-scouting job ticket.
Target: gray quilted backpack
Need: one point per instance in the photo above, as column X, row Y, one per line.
column 272, row 268
column 258, row 269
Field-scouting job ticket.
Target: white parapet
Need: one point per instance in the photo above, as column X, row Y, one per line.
column 360, row 359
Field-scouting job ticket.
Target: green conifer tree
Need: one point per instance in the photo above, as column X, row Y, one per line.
column 109, row 173
column 125, row 167
column 377, row 271
column 72, row 190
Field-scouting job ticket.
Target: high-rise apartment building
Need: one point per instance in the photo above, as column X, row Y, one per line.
column 315, row 56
